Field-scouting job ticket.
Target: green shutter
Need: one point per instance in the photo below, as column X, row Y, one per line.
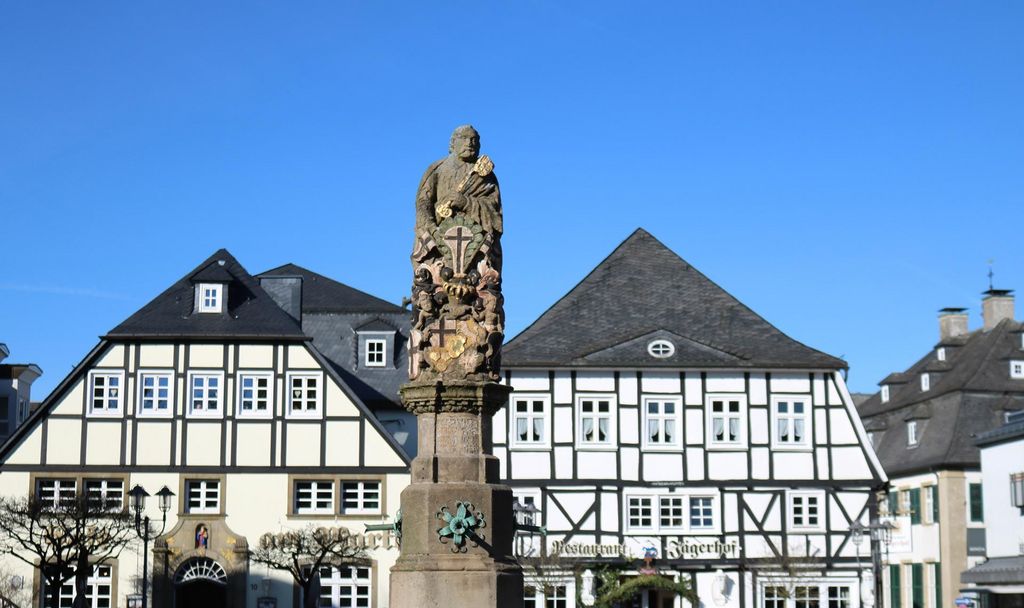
column 917, row 585
column 915, row 506
column 977, row 507
column 894, row 502
column 894, row 586
column 935, row 503
column 937, row 577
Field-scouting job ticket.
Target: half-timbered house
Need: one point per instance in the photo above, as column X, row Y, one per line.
column 214, row 391
column 655, row 415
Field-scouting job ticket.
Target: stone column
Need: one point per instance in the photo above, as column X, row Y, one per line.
column 455, row 466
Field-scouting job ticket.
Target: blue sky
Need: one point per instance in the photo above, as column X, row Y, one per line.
column 845, row 169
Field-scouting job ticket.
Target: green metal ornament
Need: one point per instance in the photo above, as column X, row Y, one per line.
column 459, row 525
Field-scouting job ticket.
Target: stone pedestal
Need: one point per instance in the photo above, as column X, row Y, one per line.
column 455, row 465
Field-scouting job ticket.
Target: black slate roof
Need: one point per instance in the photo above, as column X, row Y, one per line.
column 323, row 294
column 644, row 291
column 969, row 395
column 250, row 312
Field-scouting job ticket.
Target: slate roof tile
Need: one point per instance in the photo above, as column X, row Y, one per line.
column 642, row 288
column 323, row 294
column 250, row 310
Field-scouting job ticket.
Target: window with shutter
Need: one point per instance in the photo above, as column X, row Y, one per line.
column 917, row 585
column 895, row 591
column 935, row 503
column 915, row 506
column 977, row 507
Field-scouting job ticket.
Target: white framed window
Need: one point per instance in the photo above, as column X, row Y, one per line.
column 940, row 354
column 106, row 397
column 791, row 421
column 98, row 593
column 885, row 393
column 211, row 297
column 314, row 497
column 156, row 395
column 202, row 496
column 376, row 351
column 255, row 394
column 105, row 494
column 928, row 510
column 926, row 382
column 596, row 421
column 360, row 497
column 805, row 510
column 545, row 596
column 662, row 424
column 671, row 512
column 206, row 394
column 531, row 420
column 661, row 349
column 1017, row 369
column 702, row 513
column 640, row 512
column 345, row 586
column 726, row 421
column 912, row 432
column 304, row 394
column 53, row 492
column 786, row 592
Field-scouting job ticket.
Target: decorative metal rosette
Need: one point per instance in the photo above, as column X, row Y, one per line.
column 459, row 525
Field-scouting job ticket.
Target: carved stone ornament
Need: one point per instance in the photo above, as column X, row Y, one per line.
column 458, row 310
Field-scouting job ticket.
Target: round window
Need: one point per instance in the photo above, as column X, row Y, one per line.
column 661, row 349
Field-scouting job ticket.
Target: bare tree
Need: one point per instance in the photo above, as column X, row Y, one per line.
column 303, row 552
column 63, row 539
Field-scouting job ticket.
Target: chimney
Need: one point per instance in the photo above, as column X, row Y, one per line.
column 952, row 323
column 996, row 306
column 286, row 291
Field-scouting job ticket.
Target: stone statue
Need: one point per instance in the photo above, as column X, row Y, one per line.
column 458, row 313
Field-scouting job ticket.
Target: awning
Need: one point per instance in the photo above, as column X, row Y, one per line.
column 996, row 571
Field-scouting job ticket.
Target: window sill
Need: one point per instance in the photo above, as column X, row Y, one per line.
column 663, row 449
column 785, row 447
column 107, row 415
column 726, row 447
column 529, row 447
column 158, row 415
column 596, row 448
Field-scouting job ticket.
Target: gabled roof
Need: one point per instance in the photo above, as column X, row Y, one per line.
column 322, row 294
column 250, row 311
column 644, row 288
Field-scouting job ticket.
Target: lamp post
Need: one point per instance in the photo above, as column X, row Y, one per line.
column 526, row 524
column 880, row 533
column 138, row 495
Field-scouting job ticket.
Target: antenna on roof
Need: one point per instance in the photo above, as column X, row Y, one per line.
column 990, row 261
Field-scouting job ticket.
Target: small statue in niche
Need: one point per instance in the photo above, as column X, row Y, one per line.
column 202, row 537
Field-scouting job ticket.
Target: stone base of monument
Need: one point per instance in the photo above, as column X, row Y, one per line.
column 457, row 520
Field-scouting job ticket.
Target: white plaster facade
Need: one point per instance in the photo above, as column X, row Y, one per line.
column 256, row 460
column 708, row 508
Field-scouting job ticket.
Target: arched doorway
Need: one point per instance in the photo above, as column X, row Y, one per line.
column 200, row 583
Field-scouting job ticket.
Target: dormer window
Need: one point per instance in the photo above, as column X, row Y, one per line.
column 376, row 351
column 885, row 393
column 210, row 297
column 1017, row 369
column 940, row 354
column 912, row 433
column 926, row 382
column 661, row 349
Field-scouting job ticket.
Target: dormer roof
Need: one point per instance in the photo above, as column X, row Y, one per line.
column 640, row 289
column 251, row 313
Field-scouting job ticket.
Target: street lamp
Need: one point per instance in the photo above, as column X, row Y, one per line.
column 526, row 524
column 880, row 533
column 138, row 496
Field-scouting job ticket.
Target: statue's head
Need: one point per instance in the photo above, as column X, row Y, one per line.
column 465, row 143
